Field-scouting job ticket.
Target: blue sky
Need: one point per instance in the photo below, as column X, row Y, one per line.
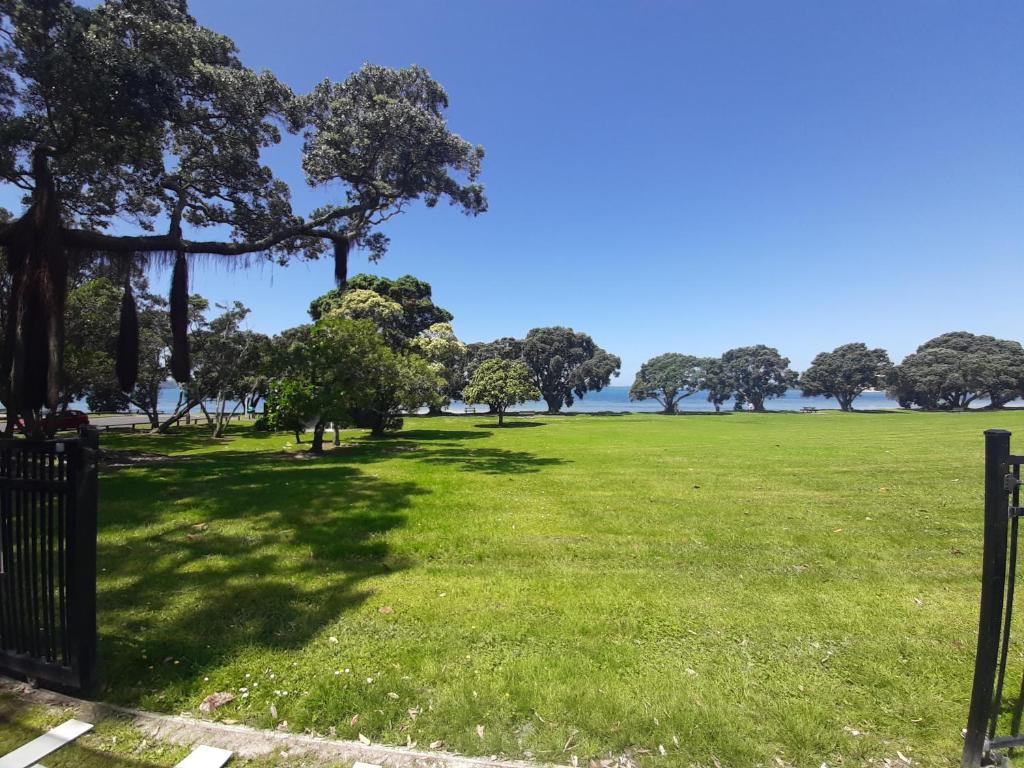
column 688, row 176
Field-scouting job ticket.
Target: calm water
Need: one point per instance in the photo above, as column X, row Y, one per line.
column 617, row 399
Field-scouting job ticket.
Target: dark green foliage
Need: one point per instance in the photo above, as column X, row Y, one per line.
column 757, row 373
column 669, row 378
column 845, row 372
column 505, row 348
column 718, row 384
column 127, row 364
column 953, row 370
column 133, row 111
column 565, row 364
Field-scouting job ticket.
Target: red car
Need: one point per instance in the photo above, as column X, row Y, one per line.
column 60, row 421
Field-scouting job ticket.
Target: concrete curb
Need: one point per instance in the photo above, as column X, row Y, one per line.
column 252, row 742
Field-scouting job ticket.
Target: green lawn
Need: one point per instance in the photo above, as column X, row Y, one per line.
column 742, row 588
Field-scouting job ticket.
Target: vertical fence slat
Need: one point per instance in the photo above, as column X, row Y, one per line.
column 993, row 576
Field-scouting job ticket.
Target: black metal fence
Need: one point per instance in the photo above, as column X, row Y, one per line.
column 48, row 559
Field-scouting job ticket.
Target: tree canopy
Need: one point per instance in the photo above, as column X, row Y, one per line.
column 131, row 110
column 845, row 372
column 413, row 296
column 565, row 364
column 953, row 370
column 757, row 373
column 670, row 377
column 501, row 384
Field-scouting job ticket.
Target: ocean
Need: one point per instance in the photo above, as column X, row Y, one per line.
column 616, row 399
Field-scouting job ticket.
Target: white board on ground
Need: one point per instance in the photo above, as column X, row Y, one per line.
column 49, row 742
column 205, row 757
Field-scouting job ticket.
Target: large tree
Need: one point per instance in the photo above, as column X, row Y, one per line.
column 758, row 373
column 565, row 364
column 132, row 111
column 845, row 372
column 668, row 378
column 953, row 370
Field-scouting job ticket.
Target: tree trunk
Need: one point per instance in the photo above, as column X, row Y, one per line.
column 318, row 438
column 554, row 404
column 433, row 410
column 298, row 436
column 501, row 417
column 206, row 413
column 174, row 418
column 758, row 403
column 337, row 434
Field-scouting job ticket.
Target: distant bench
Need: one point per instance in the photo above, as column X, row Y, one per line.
column 808, row 409
column 469, row 409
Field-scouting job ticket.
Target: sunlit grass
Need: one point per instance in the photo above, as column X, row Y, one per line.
column 741, row 588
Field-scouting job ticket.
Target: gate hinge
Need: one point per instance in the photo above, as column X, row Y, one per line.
column 1011, row 482
column 1012, row 512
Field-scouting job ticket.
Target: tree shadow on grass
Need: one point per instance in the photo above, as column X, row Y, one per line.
column 512, row 425
column 232, row 550
column 212, row 555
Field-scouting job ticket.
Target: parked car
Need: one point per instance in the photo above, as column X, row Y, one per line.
column 54, row 422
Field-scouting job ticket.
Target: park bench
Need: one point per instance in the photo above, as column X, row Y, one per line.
column 29, row 755
column 808, row 409
column 469, row 409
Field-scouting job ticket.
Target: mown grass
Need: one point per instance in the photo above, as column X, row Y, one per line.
column 744, row 588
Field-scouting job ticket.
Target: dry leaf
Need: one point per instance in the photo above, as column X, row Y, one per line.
column 215, row 701
column 437, row 745
column 364, row 739
column 273, row 711
column 480, row 731
column 392, row 695
column 386, row 609
column 354, row 720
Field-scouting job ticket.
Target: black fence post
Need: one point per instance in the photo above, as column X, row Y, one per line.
column 993, row 584
column 83, row 582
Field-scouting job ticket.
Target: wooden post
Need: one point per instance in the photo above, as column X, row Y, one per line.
column 993, row 583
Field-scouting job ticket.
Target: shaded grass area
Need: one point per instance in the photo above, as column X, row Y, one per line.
column 742, row 589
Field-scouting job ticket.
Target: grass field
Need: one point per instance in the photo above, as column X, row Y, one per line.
column 749, row 588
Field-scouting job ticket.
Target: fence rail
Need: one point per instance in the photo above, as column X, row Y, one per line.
column 48, row 559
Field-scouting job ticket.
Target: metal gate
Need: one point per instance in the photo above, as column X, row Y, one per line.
column 48, row 560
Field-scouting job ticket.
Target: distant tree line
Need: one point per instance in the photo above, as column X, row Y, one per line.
column 949, row 372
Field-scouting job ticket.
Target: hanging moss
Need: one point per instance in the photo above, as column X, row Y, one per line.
column 341, row 247
column 181, row 365
column 127, row 364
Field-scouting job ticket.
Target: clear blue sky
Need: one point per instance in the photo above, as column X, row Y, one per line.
column 688, row 176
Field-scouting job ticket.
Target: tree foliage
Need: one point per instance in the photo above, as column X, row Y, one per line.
column 757, row 373
column 413, row 296
column 953, row 370
column 564, row 365
column 132, row 111
column 845, row 372
column 501, row 384
column 440, row 347
column 670, row 377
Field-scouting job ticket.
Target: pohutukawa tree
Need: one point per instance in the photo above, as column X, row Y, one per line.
column 133, row 111
column 845, row 372
column 669, row 378
column 757, row 373
column 565, row 365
